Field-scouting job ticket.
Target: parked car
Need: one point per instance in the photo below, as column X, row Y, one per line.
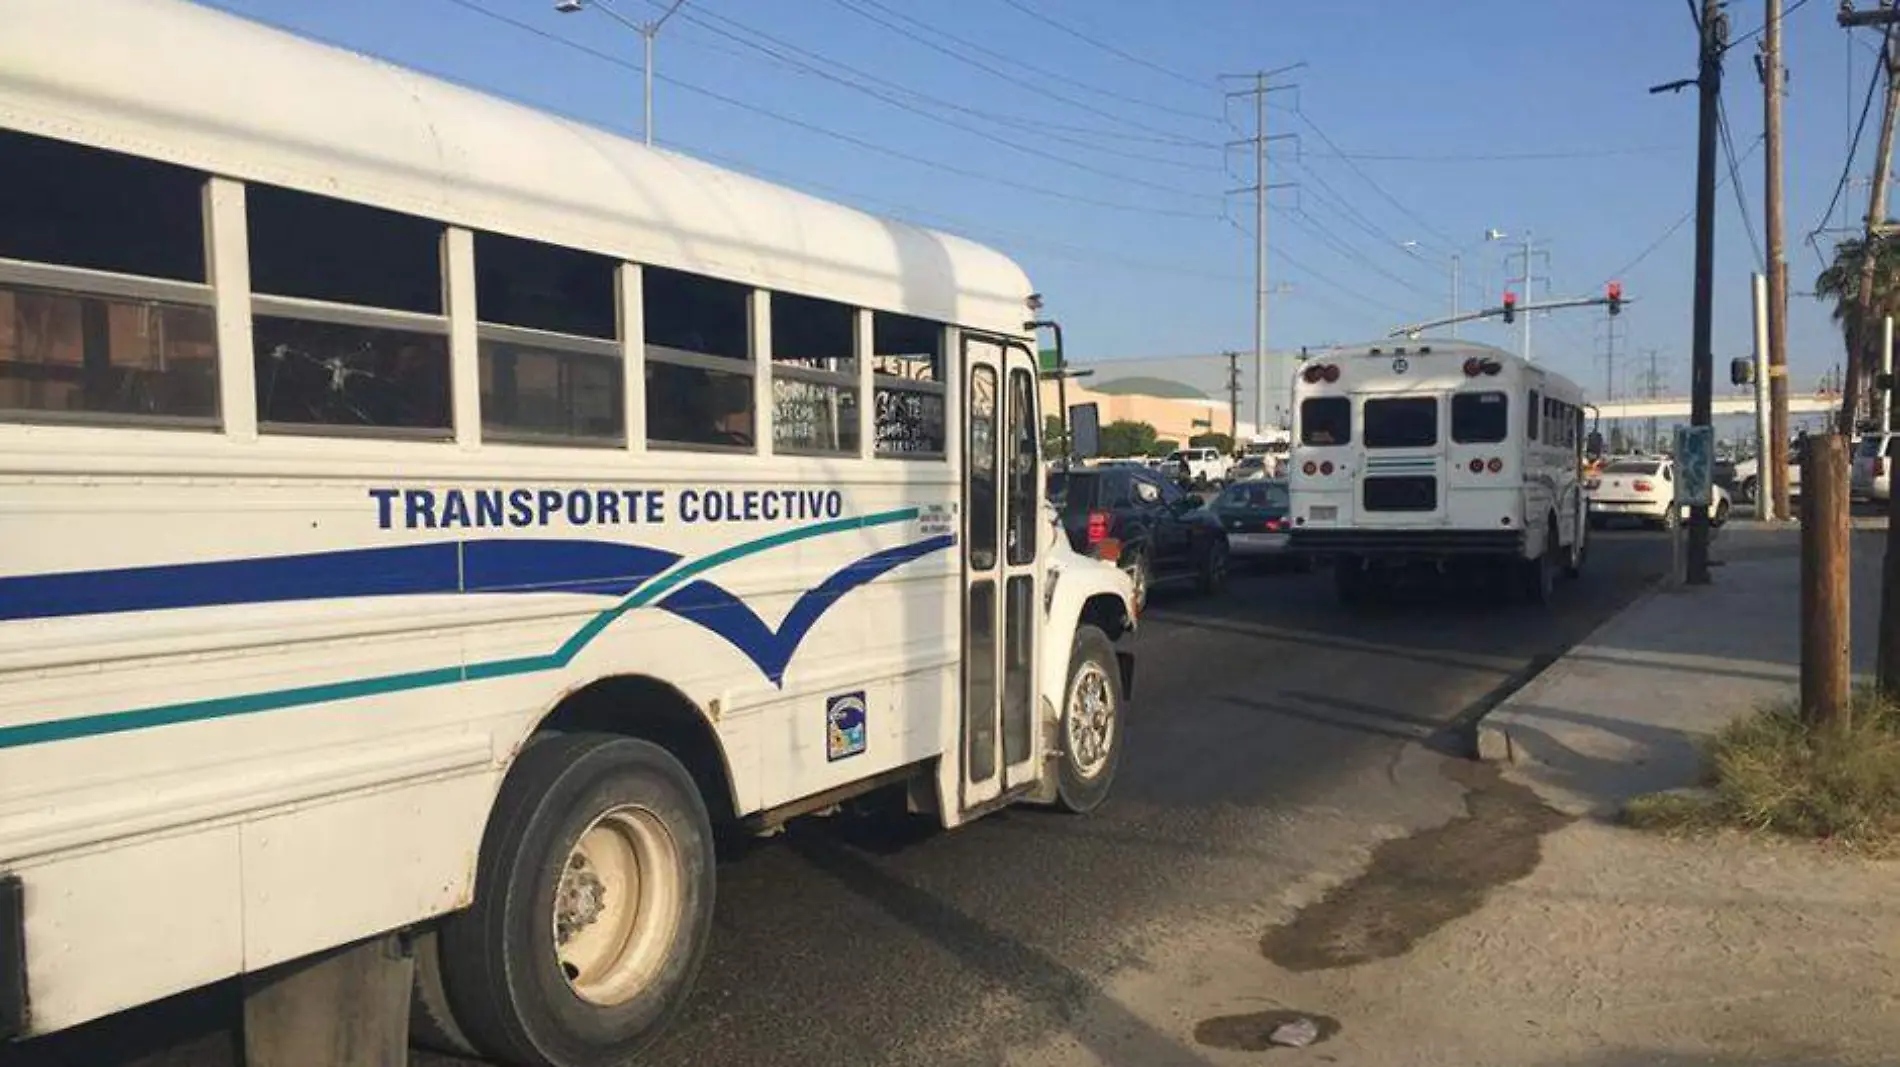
column 1747, row 477
column 1257, row 517
column 1157, row 532
column 1873, row 466
column 1197, row 467
column 1644, row 488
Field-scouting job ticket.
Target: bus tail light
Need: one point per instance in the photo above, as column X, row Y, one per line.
column 1477, row 466
column 1320, row 372
column 1311, row 468
column 1495, row 465
column 1326, row 467
column 1098, row 527
column 1474, row 367
column 1331, row 372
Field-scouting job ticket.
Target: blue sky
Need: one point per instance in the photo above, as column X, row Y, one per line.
column 1109, row 189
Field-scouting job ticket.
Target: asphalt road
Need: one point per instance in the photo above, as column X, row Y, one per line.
column 1262, row 721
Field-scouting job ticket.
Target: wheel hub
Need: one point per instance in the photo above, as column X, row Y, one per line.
column 580, row 899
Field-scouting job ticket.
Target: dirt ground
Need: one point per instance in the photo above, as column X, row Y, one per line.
column 1517, row 934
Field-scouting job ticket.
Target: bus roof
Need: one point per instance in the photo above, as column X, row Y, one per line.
column 183, row 83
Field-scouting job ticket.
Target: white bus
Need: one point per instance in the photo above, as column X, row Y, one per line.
column 426, row 521
column 1444, row 453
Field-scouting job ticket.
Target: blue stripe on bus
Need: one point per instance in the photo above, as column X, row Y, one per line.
column 648, row 591
column 503, row 566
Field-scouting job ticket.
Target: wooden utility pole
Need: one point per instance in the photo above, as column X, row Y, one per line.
column 1876, row 214
column 1825, row 667
column 1772, row 463
column 1701, row 353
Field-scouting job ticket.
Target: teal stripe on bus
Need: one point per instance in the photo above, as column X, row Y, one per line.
column 329, row 692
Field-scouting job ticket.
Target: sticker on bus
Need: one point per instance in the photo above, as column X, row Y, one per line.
column 844, row 725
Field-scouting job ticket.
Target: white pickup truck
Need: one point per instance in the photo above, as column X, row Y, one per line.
column 1197, row 467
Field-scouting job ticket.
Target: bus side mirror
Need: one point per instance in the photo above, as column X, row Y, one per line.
column 1741, row 371
column 1085, row 430
column 1594, row 446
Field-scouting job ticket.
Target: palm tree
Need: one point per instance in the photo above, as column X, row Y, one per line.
column 1840, row 282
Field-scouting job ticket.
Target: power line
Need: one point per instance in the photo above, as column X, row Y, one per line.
column 1103, row 45
column 1763, row 28
column 929, row 32
column 1352, row 214
column 884, row 97
column 1853, row 150
column 1735, row 185
column 1367, row 178
column 826, row 66
column 1677, row 225
column 859, row 142
column 1314, row 227
column 1497, row 157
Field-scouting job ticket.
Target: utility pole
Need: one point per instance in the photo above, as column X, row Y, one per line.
column 1259, row 189
column 1771, row 460
column 1528, row 255
column 1652, row 383
column 647, row 31
column 1609, row 361
column 1233, row 399
column 1701, row 355
column 1876, row 214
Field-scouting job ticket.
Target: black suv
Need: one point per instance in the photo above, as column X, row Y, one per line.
column 1162, row 533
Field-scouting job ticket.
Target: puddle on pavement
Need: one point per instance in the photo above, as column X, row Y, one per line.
column 1417, row 884
column 1253, row 1031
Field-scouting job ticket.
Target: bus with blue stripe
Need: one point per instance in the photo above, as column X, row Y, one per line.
column 429, row 523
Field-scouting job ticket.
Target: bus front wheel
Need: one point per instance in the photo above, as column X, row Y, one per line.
column 1092, row 727
column 593, row 903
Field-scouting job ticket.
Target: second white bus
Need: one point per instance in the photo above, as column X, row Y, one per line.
column 1443, row 453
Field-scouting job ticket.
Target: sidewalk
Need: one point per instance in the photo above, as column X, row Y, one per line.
column 1531, row 930
column 1621, row 714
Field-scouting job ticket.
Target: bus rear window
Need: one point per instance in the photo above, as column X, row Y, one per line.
column 1479, row 418
column 1402, row 422
column 1326, row 420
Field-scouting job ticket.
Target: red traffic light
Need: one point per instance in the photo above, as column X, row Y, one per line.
column 1510, row 306
column 1615, row 290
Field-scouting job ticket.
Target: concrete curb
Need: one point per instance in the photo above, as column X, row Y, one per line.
column 1491, row 740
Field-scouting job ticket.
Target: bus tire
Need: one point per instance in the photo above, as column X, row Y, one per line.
column 1578, row 554
column 432, row 1022
column 550, row 967
column 1540, row 574
column 1093, row 730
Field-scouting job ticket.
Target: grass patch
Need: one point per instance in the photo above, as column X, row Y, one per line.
column 1773, row 772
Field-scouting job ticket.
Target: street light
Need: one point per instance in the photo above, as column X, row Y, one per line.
column 647, row 31
column 1457, row 264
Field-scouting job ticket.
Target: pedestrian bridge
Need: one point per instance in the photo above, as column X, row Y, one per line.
column 1678, row 407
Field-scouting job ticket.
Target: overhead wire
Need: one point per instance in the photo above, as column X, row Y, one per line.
column 826, row 68
column 1368, row 179
column 1675, row 226
column 845, row 138
column 927, row 35
column 1763, row 28
column 1735, row 185
column 1103, row 45
column 885, row 97
column 1853, row 150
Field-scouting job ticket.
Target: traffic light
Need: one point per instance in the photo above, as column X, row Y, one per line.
column 1510, row 307
column 1615, row 294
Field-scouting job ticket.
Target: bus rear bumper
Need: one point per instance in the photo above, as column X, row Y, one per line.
column 1407, row 544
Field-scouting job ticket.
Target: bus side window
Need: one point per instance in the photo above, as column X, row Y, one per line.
column 907, row 386
column 347, row 324
column 548, row 349
column 814, row 375
column 137, row 344
column 699, row 363
column 1532, row 411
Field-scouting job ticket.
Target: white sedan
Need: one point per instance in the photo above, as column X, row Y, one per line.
column 1645, row 489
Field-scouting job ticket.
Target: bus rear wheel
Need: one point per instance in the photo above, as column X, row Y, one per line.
column 593, row 903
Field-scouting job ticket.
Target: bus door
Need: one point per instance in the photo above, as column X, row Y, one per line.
column 1002, row 472
column 1402, row 462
